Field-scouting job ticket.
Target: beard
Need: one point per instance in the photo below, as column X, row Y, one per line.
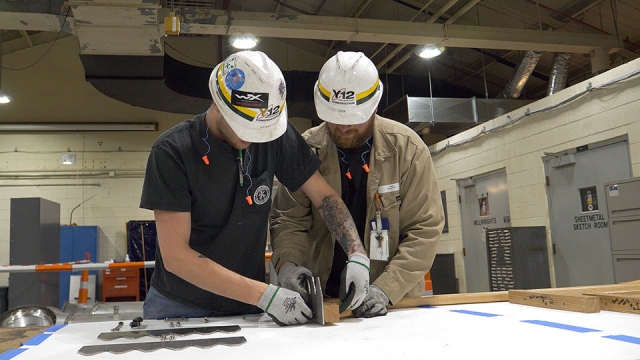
column 352, row 138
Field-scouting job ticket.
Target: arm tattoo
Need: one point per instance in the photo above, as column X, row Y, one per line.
column 339, row 222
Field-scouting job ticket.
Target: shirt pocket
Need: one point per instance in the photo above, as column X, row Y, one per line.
column 390, row 200
column 260, row 190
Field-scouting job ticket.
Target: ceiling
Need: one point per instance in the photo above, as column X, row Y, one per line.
column 485, row 42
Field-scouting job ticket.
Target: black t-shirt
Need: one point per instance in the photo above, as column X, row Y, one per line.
column 224, row 227
column 354, row 195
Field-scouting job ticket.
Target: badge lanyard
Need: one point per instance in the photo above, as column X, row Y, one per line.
column 379, row 240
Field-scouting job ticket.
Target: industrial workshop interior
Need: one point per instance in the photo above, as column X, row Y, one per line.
column 528, row 109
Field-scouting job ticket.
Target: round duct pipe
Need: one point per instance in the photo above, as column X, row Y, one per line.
column 599, row 61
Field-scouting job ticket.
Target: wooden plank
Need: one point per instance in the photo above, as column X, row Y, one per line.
column 577, row 298
column 12, row 338
column 553, row 300
column 331, row 310
column 580, row 290
column 332, row 313
column 620, row 301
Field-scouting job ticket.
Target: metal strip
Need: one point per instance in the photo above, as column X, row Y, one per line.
column 174, row 331
column 152, row 346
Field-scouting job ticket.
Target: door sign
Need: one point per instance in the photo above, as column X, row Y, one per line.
column 589, row 199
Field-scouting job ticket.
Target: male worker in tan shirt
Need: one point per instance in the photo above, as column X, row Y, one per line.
column 385, row 174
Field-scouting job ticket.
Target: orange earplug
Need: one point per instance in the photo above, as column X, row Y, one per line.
column 249, row 201
column 366, row 168
column 205, row 159
column 348, row 174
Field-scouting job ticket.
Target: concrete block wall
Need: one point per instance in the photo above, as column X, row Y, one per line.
column 109, row 165
column 601, row 114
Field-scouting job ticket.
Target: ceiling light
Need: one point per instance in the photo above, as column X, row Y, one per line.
column 244, row 41
column 4, row 98
column 429, row 51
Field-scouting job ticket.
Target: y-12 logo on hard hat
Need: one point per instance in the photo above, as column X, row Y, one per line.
column 343, row 97
column 268, row 114
column 252, row 100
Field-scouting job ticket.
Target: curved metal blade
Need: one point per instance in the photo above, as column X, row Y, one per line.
column 318, row 303
column 314, row 289
column 173, row 331
column 152, row 346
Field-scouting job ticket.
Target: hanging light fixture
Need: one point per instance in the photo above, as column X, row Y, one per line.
column 4, row 98
column 429, row 51
column 244, row 41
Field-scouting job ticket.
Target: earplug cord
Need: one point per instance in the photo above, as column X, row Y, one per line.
column 246, row 173
column 366, row 151
column 205, row 158
column 364, row 166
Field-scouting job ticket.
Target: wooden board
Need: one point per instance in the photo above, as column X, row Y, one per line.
column 332, row 313
column 620, row 301
column 10, row 338
column 580, row 290
column 554, row 300
column 578, row 298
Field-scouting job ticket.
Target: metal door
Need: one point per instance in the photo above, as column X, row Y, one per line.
column 578, row 210
column 484, row 204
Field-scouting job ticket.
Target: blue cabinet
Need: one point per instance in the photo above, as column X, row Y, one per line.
column 75, row 241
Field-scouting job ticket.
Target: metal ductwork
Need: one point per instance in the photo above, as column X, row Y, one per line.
column 448, row 116
column 521, row 75
column 559, row 73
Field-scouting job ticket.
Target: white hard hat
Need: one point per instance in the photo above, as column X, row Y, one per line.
column 348, row 89
column 250, row 91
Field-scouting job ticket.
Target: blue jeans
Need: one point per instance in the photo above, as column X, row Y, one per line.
column 158, row 306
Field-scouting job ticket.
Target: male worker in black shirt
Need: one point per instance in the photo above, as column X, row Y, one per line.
column 209, row 182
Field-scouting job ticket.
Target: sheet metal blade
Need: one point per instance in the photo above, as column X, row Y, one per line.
column 152, row 346
column 315, row 301
column 318, row 302
column 163, row 332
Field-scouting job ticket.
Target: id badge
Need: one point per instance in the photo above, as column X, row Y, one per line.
column 379, row 245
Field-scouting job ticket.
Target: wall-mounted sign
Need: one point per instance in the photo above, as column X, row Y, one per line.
column 484, row 206
column 588, row 222
column 589, row 199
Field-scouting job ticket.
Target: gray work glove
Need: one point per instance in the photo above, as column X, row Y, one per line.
column 284, row 306
column 290, row 277
column 375, row 304
column 354, row 282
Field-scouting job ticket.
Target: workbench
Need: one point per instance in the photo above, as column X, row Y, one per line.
column 497, row 330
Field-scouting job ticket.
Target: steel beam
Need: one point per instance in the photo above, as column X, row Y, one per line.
column 215, row 22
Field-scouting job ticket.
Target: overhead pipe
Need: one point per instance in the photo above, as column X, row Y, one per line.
column 521, row 75
column 559, row 72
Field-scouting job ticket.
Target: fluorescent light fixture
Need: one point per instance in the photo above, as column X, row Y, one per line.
column 4, row 98
column 244, row 41
column 429, row 51
column 73, row 127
